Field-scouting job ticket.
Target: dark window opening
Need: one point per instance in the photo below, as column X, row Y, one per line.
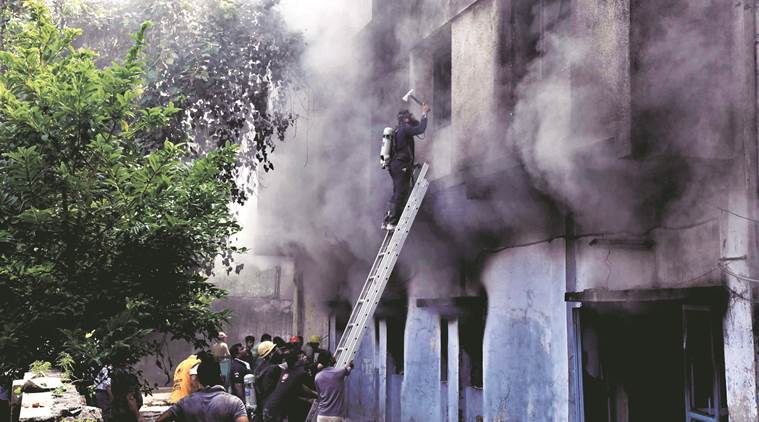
column 339, row 316
column 704, row 359
column 443, row 350
column 395, row 342
column 656, row 362
column 441, row 82
column 471, row 336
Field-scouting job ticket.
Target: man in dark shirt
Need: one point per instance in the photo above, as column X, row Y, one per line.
column 267, row 375
column 289, row 388
column 238, row 370
column 318, row 357
column 402, row 162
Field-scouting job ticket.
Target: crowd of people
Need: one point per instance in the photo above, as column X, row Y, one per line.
column 272, row 380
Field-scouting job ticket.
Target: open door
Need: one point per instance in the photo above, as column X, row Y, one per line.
column 703, row 365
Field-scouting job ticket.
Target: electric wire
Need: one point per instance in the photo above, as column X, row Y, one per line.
column 726, row 269
column 737, row 215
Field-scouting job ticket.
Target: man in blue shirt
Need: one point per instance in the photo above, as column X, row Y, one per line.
column 330, row 384
column 402, row 162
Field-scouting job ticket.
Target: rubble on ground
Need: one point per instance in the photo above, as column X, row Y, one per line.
column 50, row 397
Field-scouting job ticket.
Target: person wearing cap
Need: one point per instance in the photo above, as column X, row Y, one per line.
column 267, row 373
column 300, row 407
column 221, row 353
column 182, row 384
column 210, row 402
column 291, row 387
column 320, row 358
column 220, row 349
column 296, row 341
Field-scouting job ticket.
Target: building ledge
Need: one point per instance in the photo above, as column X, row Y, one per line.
column 706, row 295
column 453, row 306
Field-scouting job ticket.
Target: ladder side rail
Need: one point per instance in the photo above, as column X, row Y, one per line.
column 357, row 309
column 369, row 289
column 372, row 275
column 379, row 275
column 400, row 237
column 349, row 348
column 351, row 339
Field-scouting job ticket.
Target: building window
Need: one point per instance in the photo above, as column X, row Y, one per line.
column 396, row 328
column 704, row 395
column 471, row 335
column 650, row 361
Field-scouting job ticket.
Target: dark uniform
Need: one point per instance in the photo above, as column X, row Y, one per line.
column 281, row 401
column 317, row 355
column 402, row 165
column 239, row 369
column 267, row 375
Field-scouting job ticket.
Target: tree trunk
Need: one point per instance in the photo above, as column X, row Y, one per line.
column 2, row 22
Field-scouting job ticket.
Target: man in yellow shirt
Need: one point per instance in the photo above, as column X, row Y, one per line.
column 182, row 379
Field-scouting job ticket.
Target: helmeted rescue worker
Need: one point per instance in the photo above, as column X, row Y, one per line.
column 402, row 162
column 318, row 357
column 267, row 373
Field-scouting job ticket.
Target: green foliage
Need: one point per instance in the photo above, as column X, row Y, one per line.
column 228, row 64
column 66, row 363
column 101, row 244
column 40, row 368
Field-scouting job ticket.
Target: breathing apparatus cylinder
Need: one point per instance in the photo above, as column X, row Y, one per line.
column 250, row 394
column 386, row 149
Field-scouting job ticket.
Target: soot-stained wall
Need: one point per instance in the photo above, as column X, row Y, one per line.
column 525, row 365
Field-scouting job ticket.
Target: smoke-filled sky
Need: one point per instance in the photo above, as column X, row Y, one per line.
column 313, row 207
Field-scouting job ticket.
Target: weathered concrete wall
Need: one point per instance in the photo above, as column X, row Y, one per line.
column 361, row 386
column 605, row 26
column 420, row 391
column 525, row 346
column 736, row 232
column 474, row 78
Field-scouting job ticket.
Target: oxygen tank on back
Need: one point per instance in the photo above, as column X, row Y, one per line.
column 250, row 393
column 387, row 147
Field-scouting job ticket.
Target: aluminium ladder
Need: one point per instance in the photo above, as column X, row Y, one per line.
column 379, row 275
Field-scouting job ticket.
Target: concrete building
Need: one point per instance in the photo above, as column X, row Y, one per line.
column 587, row 250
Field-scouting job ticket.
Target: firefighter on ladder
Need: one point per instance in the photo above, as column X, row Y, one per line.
column 400, row 160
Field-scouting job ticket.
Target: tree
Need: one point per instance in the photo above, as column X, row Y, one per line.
column 227, row 63
column 101, row 243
